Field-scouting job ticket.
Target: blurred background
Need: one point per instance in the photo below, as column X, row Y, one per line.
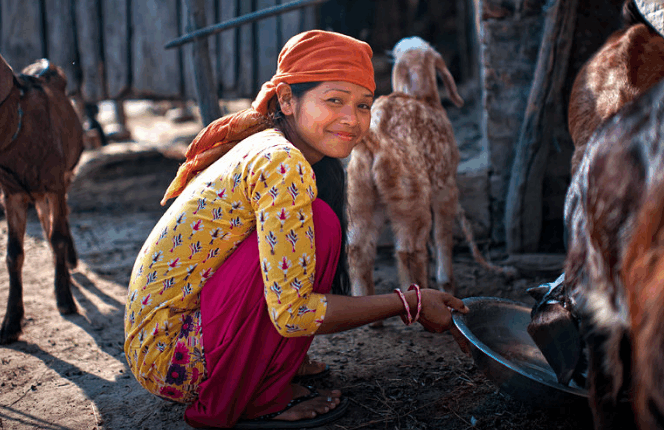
column 113, row 52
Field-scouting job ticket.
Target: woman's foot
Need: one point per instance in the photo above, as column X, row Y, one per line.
column 328, row 400
column 310, row 367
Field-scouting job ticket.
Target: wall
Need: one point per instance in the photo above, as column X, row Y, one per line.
column 115, row 48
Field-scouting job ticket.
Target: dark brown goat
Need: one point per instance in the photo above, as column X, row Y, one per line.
column 629, row 63
column 41, row 140
column 609, row 188
column 643, row 280
column 613, row 272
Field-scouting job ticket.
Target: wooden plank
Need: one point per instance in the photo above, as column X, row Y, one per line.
column 187, row 50
column 309, row 18
column 117, row 58
column 227, row 58
column 155, row 70
column 21, row 33
column 88, row 29
column 291, row 24
column 246, row 82
column 523, row 206
column 203, row 77
column 267, row 43
column 61, row 39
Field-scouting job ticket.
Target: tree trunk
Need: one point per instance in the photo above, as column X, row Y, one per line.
column 523, row 207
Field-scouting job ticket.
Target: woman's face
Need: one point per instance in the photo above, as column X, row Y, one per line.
column 329, row 119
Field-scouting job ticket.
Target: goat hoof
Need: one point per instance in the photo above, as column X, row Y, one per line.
column 68, row 309
column 72, row 263
column 67, row 306
column 9, row 333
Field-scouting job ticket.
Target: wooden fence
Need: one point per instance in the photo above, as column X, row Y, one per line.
column 113, row 49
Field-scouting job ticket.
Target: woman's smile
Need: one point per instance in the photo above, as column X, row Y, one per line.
column 348, row 137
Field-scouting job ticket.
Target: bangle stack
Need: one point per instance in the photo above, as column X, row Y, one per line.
column 407, row 318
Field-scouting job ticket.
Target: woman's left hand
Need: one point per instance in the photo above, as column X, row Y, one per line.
column 436, row 315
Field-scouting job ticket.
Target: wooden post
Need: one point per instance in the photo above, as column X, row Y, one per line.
column 523, row 206
column 227, row 54
column 208, row 102
column 20, row 33
column 245, row 55
column 116, row 28
column 61, row 41
column 268, row 48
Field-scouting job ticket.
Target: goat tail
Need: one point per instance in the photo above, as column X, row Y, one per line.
column 508, row 271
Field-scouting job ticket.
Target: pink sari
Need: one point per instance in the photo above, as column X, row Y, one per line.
column 249, row 364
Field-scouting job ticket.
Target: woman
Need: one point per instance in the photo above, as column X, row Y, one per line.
column 247, row 264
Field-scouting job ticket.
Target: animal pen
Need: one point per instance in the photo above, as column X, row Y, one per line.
column 515, row 58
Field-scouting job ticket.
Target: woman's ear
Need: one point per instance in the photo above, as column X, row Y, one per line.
column 285, row 97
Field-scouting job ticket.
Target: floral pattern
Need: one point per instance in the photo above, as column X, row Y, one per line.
column 262, row 184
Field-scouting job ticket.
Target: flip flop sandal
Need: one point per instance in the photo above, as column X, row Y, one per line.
column 314, row 376
column 267, row 421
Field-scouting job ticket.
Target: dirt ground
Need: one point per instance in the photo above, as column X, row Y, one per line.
column 69, row 372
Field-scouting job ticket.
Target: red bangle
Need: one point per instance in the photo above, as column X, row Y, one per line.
column 419, row 300
column 408, row 321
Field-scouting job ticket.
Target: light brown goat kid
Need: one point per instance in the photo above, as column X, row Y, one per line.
column 41, row 140
column 404, row 171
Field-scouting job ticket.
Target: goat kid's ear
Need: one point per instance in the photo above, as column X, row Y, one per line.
column 285, row 97
column 400, row 77
column 448, row 80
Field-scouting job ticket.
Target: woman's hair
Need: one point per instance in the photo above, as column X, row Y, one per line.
column 331, row 184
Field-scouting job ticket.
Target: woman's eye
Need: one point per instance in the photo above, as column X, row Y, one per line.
column 334, row 100
column 365, row 106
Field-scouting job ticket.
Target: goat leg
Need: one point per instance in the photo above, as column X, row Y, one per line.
column 364, row 229
column 365, row 222
column 608, row 379
column 62, row 245
column 444, row 213
column 413, row 267
column 44, row 205
column 16, row 208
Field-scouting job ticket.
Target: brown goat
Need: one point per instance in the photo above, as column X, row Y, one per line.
column 629, row 63
column 613, row 285
column 643, row 280
column 41, row 140
column 404, row 170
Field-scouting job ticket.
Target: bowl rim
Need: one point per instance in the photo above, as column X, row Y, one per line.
column 458, row 319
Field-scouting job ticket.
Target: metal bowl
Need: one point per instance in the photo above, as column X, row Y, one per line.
column 503, row 350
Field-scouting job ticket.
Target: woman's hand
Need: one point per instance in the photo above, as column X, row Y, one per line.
column 344, row 313
column 436, row 315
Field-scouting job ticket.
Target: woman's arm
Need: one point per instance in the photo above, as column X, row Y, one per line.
column 344, row 312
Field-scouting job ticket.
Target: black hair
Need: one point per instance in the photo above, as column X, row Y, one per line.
column 331, row 184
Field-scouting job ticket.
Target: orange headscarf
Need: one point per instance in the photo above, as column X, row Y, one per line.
column 312, row 56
